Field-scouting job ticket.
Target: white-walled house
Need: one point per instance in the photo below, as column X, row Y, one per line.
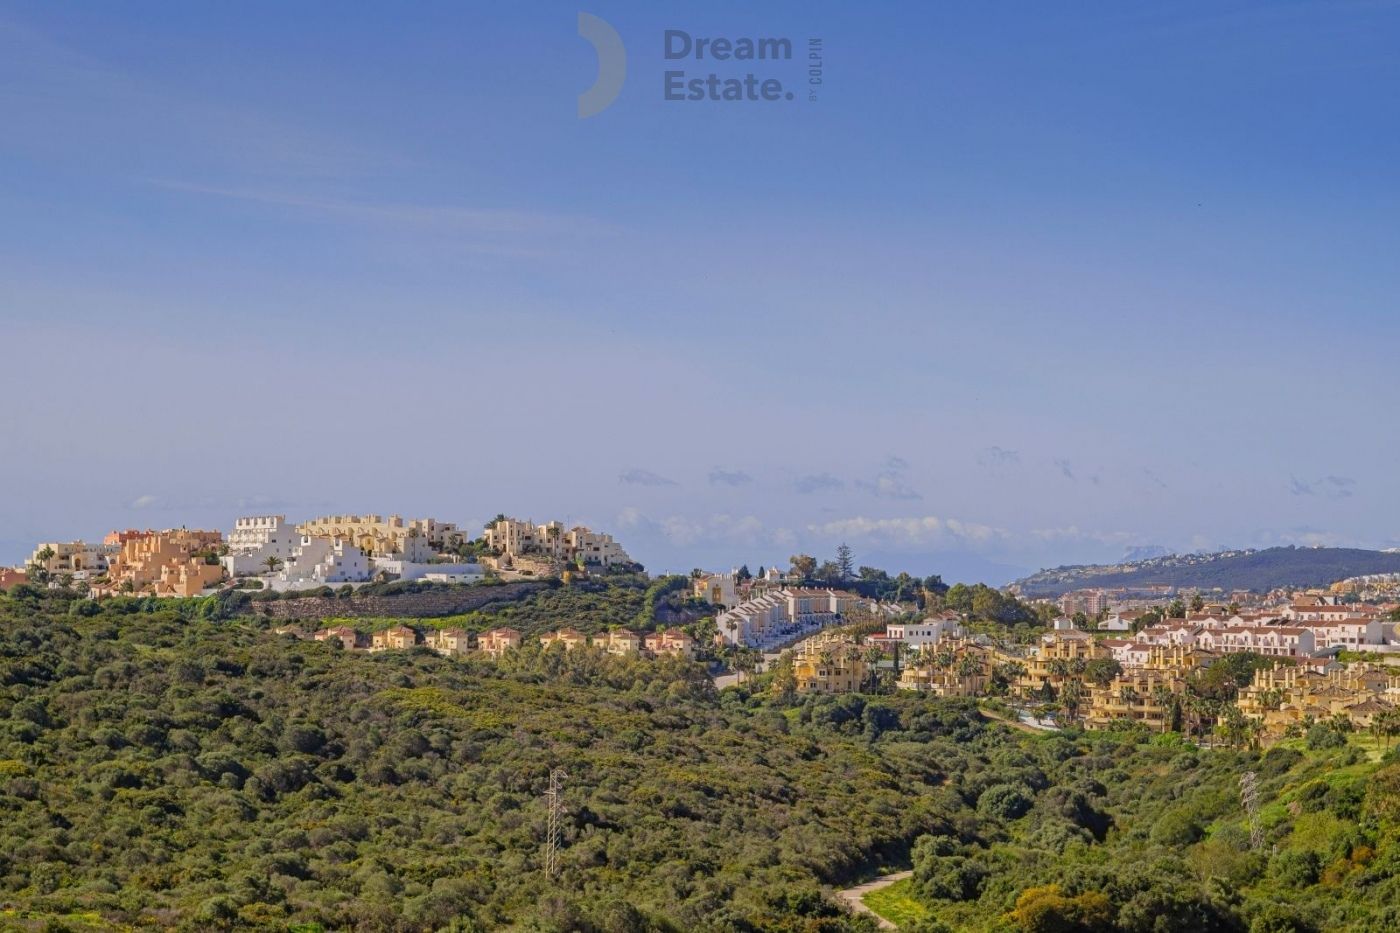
column 322, row 562
column 929, row 631
column 256, row 538
column 433, row 573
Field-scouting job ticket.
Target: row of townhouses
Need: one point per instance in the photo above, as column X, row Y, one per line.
column 784, row 615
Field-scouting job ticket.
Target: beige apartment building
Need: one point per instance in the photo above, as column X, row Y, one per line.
column 167, row 563
column 512, row 539
column 413, row 540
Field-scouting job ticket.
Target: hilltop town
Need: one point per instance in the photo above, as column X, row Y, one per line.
column 269, row 552
column 1252, row 667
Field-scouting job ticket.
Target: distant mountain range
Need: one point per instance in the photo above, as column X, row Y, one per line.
column 1258, row 571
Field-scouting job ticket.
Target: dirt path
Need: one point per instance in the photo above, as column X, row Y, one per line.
column 854, row 897
column 1013, row 723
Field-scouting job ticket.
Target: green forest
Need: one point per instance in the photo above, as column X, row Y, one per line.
column 162, row 769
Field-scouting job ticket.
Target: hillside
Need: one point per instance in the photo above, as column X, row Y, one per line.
column 1259, row 571
column 165, row 772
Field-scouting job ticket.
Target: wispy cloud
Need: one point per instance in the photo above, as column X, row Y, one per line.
column 1073, row 534
column 723, row 477
column 639, row 477
column 925, row 530
column 889, row 485
column 818, row 482
column 683, row 531
column 1328, row 487
column 482, row 229
column 994, row 458
column 1065, row 469
column 143, row 502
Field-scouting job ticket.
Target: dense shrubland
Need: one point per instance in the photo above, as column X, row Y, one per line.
column 176, row 770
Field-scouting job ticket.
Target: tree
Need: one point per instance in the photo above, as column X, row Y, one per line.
column 803, row 566
column 1177, row 609
column 272, row 562
column 844, row 561
column 1198, row 603
column 38, row 571
column 1101, row 671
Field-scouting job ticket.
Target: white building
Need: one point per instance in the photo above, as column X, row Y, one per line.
column 256, row 538
column 322, row 562
column 782, row 615
column 422, row 570
column 928, row 631
column 718, row 589
column 466, row 573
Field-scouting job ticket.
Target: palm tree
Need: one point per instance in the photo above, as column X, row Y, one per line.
column 872, row 660
column 1161, row 698
column 272, row 563
column 1070, row 698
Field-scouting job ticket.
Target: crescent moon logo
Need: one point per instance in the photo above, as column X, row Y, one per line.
column 612, row 65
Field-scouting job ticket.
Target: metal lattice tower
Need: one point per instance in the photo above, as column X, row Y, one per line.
column 1249, row 796
column 554, row 797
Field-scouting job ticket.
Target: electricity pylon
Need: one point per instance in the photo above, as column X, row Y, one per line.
column 1249, row 796
column 554, row 797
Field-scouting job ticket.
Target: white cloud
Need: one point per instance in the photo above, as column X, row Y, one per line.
column 920, row 530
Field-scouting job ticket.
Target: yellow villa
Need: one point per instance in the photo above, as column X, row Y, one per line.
column 570, row 638
column 498, row 641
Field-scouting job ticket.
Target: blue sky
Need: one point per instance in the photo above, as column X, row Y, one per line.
column 1028, row 283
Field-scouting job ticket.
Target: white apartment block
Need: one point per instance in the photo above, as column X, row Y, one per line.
column 322, row 562
column 926, row 632
column 782, row 615
column 257, row 538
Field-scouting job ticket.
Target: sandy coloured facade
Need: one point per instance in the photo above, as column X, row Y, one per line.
column 830, row 664
column 1290, row 695
column 498, row 641
column 1148, row 695
column 512, row 540
column 167, row 563
column 73, row 556
column 953, row 667
column 1060, row 657
column 413, row 540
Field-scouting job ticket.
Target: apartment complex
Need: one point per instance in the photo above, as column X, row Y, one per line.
column 414, row 540
column 784, row 615
column 73, row 557
column 258, row 542
column 1289, row 695
column 167, row 563
column 952, row 667
column 830, row 664
column 512, row 540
